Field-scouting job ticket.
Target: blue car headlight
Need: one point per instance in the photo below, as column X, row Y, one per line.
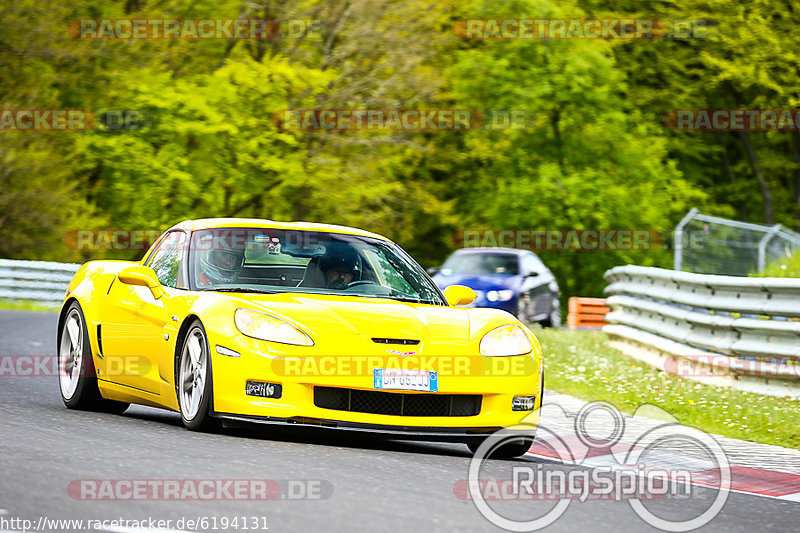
column 501, row 296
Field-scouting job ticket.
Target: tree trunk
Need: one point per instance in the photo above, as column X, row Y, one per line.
column 796, row 152
column 766, row 194
column 726, row 166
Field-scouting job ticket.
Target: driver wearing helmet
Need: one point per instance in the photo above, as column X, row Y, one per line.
column 340, row 265
column 220, row 266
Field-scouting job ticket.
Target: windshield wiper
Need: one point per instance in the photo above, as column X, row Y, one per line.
column 232, row 289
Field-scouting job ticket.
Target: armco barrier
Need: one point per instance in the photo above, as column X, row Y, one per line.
column 35, row 280
column 586, row 312
column 747, row 330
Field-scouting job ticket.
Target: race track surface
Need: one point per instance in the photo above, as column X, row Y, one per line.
column 363, row 484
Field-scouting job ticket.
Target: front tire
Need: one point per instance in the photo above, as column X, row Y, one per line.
column 194, row 387
column 77, row 378
column 553, row 319
column 522, row 309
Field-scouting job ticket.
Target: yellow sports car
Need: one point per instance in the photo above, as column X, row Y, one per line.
column 294, row 323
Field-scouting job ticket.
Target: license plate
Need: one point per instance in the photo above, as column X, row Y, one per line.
column 388, row 378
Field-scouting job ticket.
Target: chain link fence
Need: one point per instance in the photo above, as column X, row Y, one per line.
column 712, row 245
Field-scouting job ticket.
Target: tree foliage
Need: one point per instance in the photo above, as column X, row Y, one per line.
column 595, row 154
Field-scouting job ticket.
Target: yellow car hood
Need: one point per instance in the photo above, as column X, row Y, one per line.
column 349, row 323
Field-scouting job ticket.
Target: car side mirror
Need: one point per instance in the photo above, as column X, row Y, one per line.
column 142, row 276
column 433, row 271
column 459, row 295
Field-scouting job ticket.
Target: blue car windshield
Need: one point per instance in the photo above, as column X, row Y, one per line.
column 476, row 263
column 270, row 260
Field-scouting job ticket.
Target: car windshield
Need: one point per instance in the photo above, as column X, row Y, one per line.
column 271, row 260
column 476, row 263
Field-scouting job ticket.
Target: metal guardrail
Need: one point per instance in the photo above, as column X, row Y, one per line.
column 35, row 280
column 685, row 315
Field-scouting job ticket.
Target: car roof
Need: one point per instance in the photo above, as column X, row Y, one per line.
column 211, row 223
column 495, row 249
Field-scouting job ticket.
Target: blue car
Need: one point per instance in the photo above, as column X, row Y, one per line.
column 505, row 278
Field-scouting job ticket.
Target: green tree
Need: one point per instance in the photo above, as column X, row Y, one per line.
column 588, row 160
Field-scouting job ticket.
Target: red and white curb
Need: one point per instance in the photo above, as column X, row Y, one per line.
column 750, row 480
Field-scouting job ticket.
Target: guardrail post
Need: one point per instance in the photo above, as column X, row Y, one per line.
column 762, row 245
column 679, row 237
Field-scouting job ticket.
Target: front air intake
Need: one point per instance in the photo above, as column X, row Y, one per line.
column 398, row 404
column 382, row 340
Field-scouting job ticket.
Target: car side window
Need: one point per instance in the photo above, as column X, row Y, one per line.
column 166, row 260
column 531, row 263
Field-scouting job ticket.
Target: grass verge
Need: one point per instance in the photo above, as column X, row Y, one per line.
column 785, row 268
column 25, row 305
column 579, row 363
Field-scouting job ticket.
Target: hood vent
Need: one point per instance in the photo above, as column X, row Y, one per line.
column 408, row 342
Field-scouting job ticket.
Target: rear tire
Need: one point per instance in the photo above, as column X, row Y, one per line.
column 77, row 378
column 193, row 382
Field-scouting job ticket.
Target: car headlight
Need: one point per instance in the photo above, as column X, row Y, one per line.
column 269, row 328
column 505, row 340
column 504, row 295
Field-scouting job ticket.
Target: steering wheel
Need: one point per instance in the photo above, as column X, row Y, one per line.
column 361, row 282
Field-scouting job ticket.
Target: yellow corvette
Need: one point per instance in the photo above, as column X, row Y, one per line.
column 294, row 323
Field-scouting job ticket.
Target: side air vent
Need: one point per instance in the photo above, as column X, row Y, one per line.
column 100, row 340
column 381, row 340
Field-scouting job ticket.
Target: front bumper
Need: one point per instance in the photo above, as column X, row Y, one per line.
column 454, row 434
column 297, row 406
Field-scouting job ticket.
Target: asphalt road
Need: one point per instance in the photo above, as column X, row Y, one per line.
column 365, row 484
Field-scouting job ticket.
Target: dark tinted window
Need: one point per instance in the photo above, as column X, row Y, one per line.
column 531, row 263
column 477, row 263
column 280, row 260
